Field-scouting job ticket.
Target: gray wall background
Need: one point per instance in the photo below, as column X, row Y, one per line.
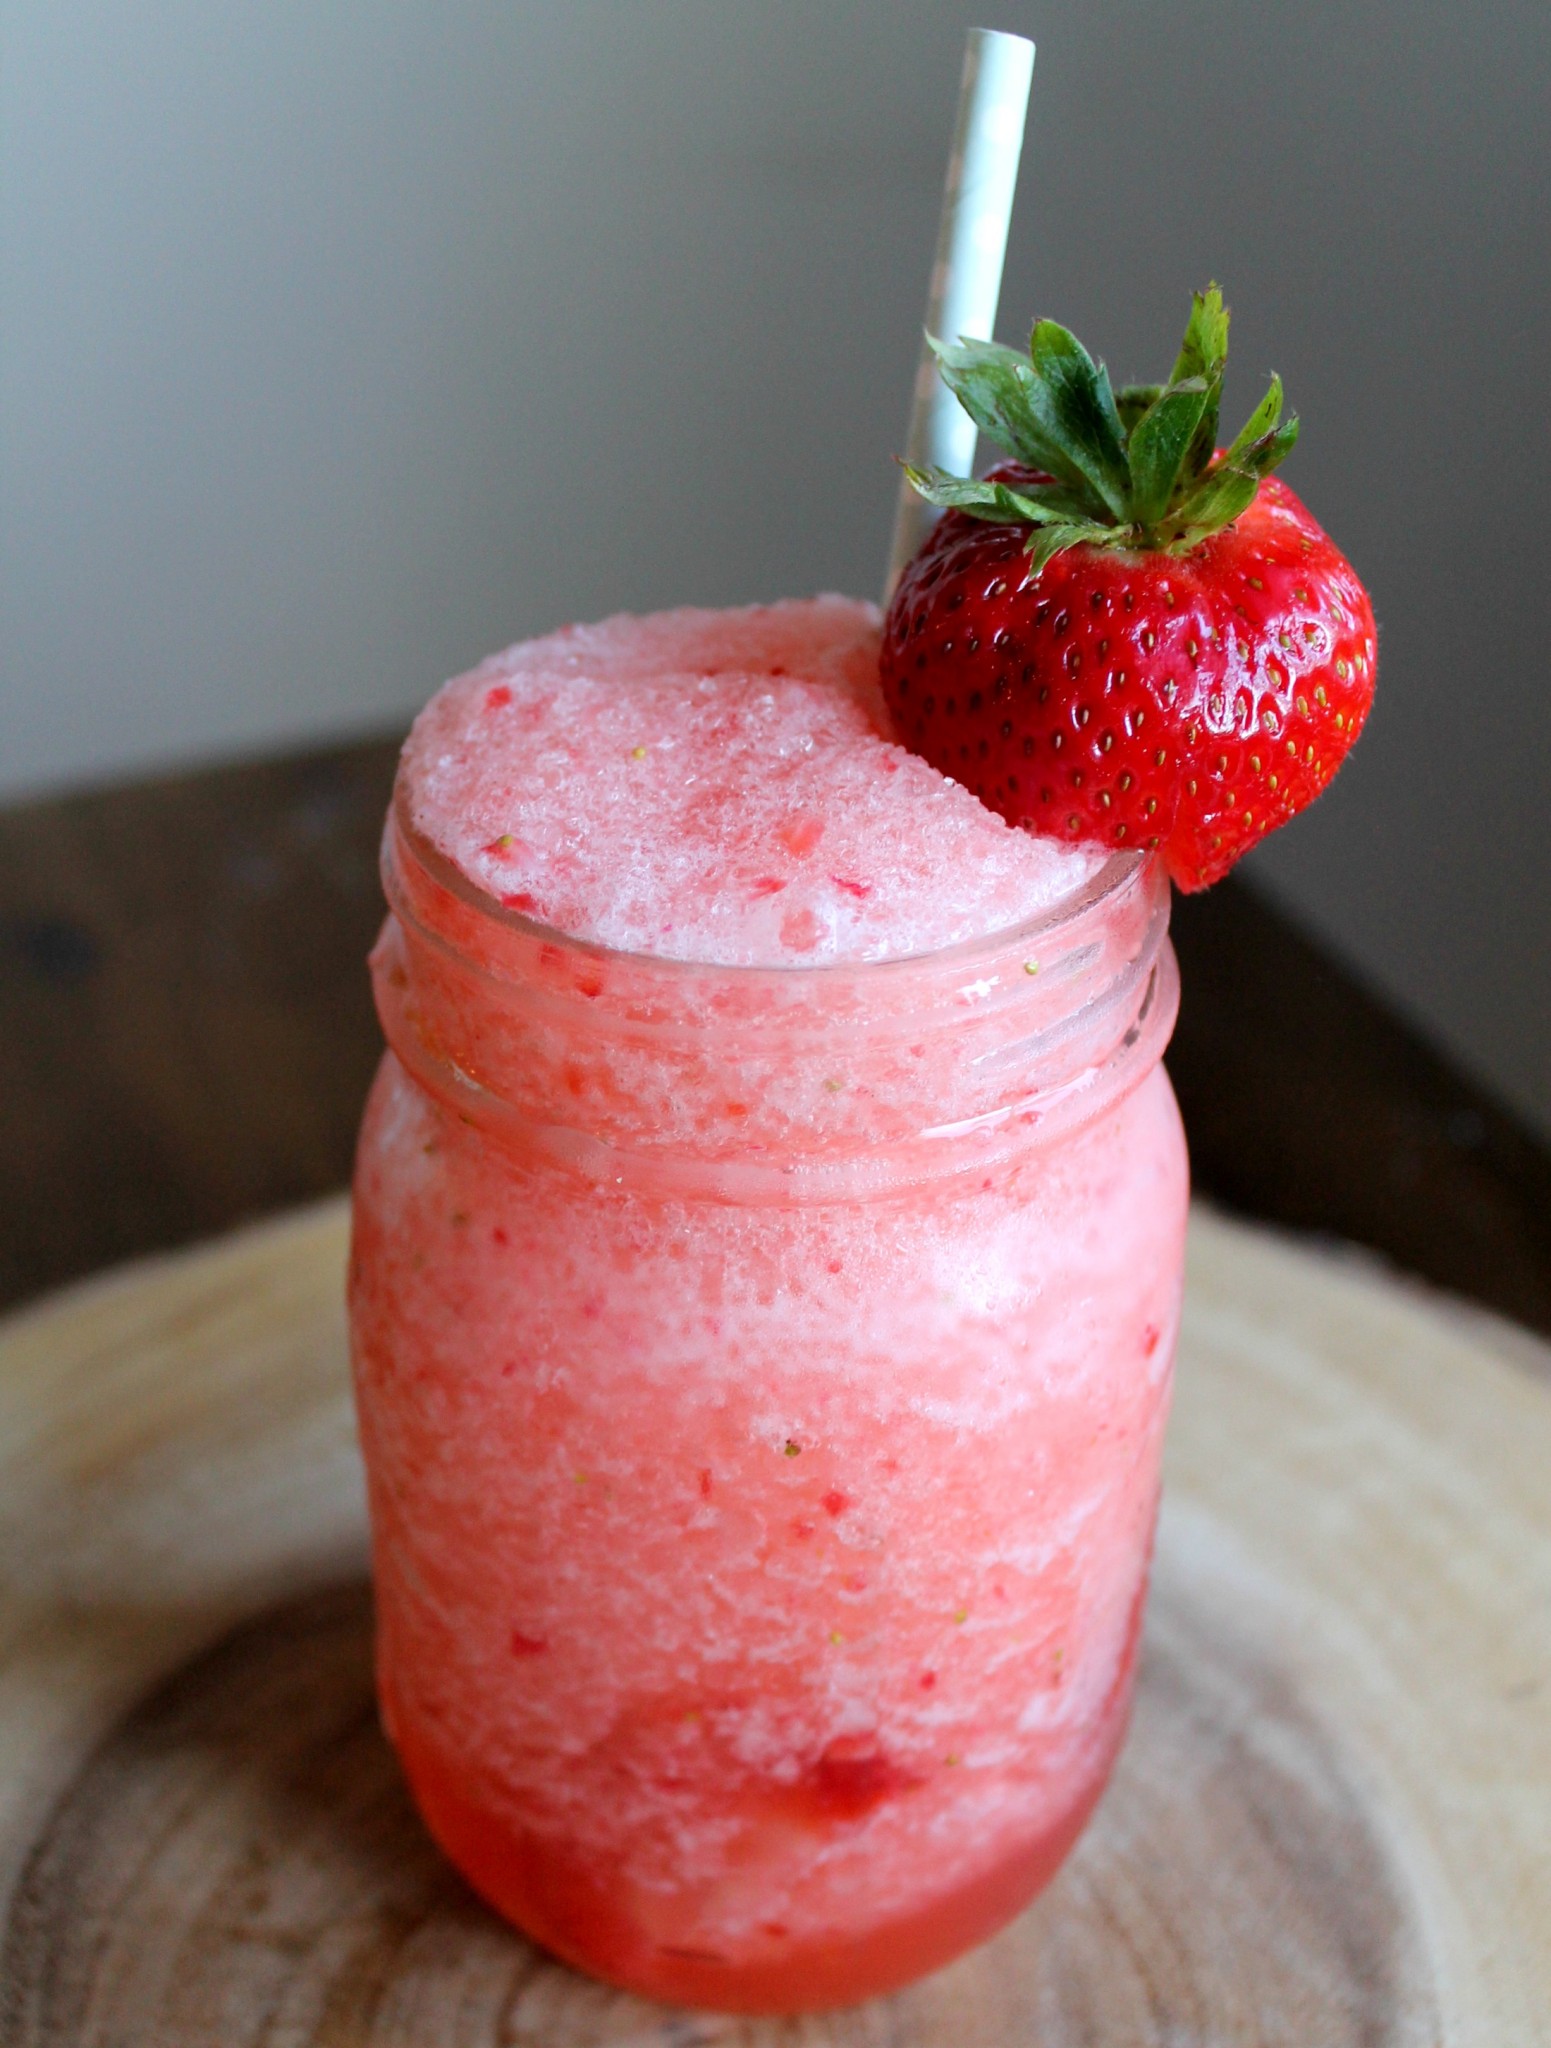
column 344, row 340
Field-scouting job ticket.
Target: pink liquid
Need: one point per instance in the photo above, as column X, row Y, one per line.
column 761, row 1373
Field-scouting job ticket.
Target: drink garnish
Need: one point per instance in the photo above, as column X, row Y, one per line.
column 1128, row 633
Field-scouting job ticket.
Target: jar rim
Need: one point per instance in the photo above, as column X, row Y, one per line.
column 1119, row 870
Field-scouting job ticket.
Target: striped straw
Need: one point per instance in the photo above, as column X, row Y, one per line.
column 967, row 273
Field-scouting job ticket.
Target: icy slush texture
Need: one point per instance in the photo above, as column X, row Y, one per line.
column 717, row 786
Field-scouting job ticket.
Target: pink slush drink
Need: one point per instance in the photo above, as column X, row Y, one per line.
column 768, row 1231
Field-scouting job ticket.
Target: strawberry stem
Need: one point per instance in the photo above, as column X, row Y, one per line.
column 1136, row 468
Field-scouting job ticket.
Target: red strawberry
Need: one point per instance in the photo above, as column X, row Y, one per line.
column 1128, row 635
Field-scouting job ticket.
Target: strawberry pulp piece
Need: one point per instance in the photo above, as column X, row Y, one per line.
column 1130, row 635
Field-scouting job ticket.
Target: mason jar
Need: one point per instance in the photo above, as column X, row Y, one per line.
column 762, row 1375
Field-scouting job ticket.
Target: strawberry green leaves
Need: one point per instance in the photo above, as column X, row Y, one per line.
column 1035, row 504
column 1204, row 354
column 1228, row 487
column 998, row 388
column 1047, row 541
column 1053, row 407
column 1158, row 444
column 1057, row 514
column 1135, row 468
column 1264, row 438
column 1071, row 396
column 1204, row 351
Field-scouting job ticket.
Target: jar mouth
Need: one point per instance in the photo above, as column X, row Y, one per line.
column 641, row 1068
column 1119, row 872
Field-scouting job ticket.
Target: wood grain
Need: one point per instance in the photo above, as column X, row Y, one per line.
column 240, row 1863
column 1331, row 1826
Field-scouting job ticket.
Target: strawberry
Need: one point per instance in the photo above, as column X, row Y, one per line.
column 1128, row 634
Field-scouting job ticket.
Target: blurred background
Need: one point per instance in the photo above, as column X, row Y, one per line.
column 343, row 343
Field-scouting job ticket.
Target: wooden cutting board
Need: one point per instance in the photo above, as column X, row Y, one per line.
column 1331, row 1826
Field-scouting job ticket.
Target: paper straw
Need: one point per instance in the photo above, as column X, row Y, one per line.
column 967, row 273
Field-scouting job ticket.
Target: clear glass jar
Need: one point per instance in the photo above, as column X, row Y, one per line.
column 762, row 1377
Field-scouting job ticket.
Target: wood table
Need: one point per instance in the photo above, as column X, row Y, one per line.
column 1332, row 1824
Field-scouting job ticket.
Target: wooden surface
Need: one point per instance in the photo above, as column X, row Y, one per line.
column 1331, row 1826
column 186, row 1037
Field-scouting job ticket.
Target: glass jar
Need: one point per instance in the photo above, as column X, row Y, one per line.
column 762, row 1377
